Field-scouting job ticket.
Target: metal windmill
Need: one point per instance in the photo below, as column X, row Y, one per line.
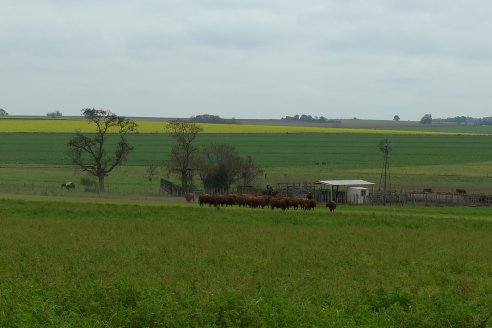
column 385, row 147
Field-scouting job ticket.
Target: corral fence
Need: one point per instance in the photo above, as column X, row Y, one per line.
column 449, row 198
column 435, row 198
column 341, row 197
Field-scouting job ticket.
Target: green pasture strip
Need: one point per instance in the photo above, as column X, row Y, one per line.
column 89, row 264
column 40, row 125
column 390, row 211
column 132, row 181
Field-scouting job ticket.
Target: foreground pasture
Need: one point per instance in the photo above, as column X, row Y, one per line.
column 87, row 263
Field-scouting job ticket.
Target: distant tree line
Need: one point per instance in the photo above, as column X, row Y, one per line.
column 309, row 118
column 207, row 118
column 465, row 120
column 54, row 114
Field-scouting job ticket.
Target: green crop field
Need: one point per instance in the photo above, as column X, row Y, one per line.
column 88, row 263
column 442, row 162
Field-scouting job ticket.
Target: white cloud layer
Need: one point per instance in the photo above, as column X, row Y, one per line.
column 247, row 59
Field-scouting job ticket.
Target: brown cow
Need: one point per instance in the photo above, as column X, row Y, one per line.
column 189, row 196
column 307, row 204
column 331, row 205
column 461, row 191
column 282, row 203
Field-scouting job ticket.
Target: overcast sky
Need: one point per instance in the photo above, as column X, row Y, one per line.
column 247, row 58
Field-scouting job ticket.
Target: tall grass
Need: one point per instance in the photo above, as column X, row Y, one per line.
column 96, row 264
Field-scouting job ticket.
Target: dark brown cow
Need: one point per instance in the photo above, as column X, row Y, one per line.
column 204, row 199
column 331, row 205
column 68, row 185
column 461, row 191
column 427, row 190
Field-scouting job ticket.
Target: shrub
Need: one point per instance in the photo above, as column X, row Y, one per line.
column 90, row 185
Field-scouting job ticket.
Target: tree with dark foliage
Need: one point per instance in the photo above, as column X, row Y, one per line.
column 221, row 166
column 89, row 153
column 426, row 119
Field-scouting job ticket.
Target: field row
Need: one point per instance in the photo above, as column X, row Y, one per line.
column 308, row 150
column 148, row 126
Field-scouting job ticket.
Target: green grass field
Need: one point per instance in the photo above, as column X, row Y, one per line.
column 133, row 258
column 93, row 263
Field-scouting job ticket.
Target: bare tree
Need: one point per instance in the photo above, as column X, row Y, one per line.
column 89, row 153
column 184, row 154
column 249, row 171
column 151, row 171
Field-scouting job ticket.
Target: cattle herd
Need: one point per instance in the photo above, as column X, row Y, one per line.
column 261, row 201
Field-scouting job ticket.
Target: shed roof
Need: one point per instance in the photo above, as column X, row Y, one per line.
column 346, row 182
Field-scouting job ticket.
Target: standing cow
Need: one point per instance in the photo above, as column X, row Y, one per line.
column 331, row 205
column 68, row 185
column 189, row 196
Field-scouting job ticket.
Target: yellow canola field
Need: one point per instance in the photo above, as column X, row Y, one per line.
column 72, row 125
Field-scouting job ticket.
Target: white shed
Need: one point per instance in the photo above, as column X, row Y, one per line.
column 353, row 191
column 357, row 195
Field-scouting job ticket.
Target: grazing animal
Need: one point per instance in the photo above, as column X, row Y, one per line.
column 331, row 205
column 68, row 185
column 307, row 204
column 282, row 203
column 205, row 199
column 189, row 196
column 461, row 191
column 427, row 190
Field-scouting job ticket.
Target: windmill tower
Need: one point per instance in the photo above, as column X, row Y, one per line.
column 385, row 147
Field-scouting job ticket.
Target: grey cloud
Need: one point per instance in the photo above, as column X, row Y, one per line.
column 247, row 58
